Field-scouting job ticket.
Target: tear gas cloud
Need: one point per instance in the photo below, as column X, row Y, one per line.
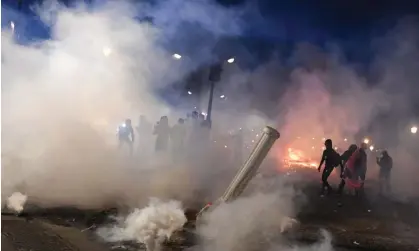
column 150, row 226
column 64, row 97
column 253, row 223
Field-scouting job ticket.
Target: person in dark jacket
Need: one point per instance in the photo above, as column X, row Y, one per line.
column 386, row 164
column 331, row 159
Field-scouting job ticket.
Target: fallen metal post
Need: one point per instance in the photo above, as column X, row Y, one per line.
column 249, row 168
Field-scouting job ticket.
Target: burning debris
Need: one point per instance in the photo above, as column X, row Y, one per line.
column 297, row 159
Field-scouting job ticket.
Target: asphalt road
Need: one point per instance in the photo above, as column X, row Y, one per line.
column 20, row 234
column 370, row 223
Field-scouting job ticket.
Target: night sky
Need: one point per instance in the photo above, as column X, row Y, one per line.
column 351, row 24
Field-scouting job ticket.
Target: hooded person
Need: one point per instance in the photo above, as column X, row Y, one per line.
column 331, row 159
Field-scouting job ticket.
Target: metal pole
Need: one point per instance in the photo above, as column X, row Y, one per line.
column 249, row 168
column 209, row 111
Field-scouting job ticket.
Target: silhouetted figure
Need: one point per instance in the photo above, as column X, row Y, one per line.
column 194, row 129
column 331, row 159
column 361, row 164
column 386, row 164
column 348, row 173
column 178, row 135
column 126, row 135
column 162, row 131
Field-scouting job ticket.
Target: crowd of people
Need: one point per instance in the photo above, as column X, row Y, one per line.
column 353, row 168
column 194, row 131
column 193, row 128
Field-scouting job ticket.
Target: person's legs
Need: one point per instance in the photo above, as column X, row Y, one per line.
column 387, row 183
column 325, row 175
column 362, row 174
column 381, row 182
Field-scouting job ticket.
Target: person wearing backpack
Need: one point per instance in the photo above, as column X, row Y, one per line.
column 331, row 159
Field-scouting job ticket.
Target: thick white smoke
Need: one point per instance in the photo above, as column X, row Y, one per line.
column 151, row 225
column 256, row 222
column 65, row 97
column 16, row 202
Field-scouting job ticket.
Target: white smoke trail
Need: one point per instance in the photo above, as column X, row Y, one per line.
column 16, row 202
column 150, row 225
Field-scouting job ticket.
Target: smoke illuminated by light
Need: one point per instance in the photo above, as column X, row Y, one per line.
column 106, row 51
column 177, row 56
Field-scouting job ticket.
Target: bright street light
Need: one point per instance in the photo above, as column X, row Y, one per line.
column 222, row 96
column 12, row 25
column 230, row 60
column 106, row 51
column 189, row 92
column 366, row 141
column 372, row 148
column 414, row 129
column 177, row 56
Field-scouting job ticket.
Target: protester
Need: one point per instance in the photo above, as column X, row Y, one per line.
column 162, row 131
column 126, row 135
column 386, row 164
column 361, row 164
column 349, row 172
column 178, row 135
column 331, row 159
column 356, row 169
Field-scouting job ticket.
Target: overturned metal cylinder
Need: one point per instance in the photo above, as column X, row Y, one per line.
column 248, row 170
column 250, row 167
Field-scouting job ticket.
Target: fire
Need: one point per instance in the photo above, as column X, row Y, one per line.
column 297, row 159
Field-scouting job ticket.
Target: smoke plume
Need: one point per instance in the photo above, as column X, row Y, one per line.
column 151, row 225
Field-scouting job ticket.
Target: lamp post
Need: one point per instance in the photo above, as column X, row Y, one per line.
column 214, row 76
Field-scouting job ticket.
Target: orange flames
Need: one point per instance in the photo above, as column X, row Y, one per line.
column 297, row 159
